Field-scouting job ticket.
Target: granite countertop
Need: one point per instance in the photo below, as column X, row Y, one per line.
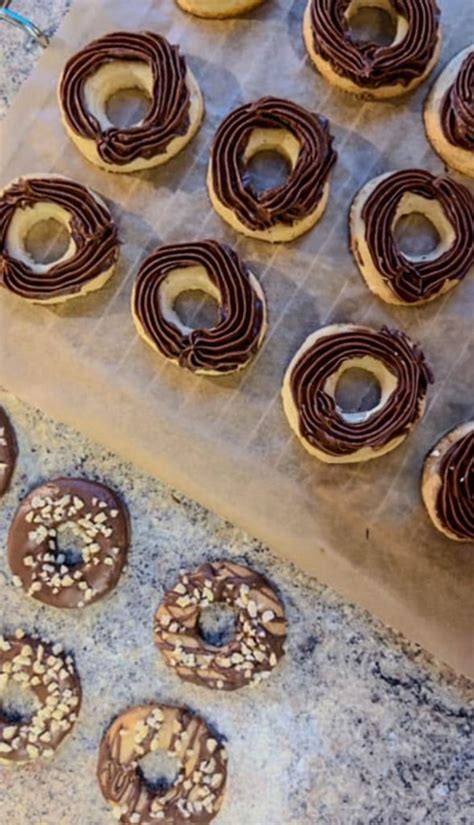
column 356, row 727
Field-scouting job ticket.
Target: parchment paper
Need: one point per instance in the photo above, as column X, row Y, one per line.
column 225, row 442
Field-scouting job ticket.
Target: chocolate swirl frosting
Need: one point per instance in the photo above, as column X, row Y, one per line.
column 300, row 195
column 323, row 425
column 455, row 500
column 367, row 64
column 91, row 227
column 413, row 280
column 168, row 115
column 457, row 108
column 237, row 334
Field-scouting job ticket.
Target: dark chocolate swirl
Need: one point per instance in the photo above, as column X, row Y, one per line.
column 455, row 500
column 300, row 195
column 91, row 227
column 410, row 280
column 320, row 421
column 168, row 115
column 366, row 64
column 457, row 108
column 237, row 334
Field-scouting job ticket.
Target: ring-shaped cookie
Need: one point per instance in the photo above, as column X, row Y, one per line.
column 368, row 69
column 8, row 451
column 259, row 639
column 447, row 484
column 81, row 511
column 124, row 60
column 197, row 793
column 449, row 113
column 88, row 262
column 217, row 270
column 218, row 8
column 51, row 676
column 286, row 211
column 309, row 388
column 399, row 278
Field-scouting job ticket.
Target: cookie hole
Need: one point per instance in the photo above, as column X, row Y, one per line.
column 217, row 625
column 197, row 309
column 128, row 107
column 67, row 550
column 18, row 703
column 47, row 241
column 357, row 390
column 266, row 170
column 372, row 24
column 415, row 235
column 159, row 771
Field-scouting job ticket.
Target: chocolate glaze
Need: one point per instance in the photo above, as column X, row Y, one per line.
column 168, row 116
column 457, row 108
column 52, row 677
column 195, row 796
column 8, row 451
column 411, row 280
column 322, row 425
column 101, row 522
column 293, row 200
column 259, row 639
column 366, row 64
column 455, row 500
column 91, row 227
column 237, row 334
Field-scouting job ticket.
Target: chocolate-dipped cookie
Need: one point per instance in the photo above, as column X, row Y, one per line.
column 51, row 676
column 8, row 451
column 85, row 512
column 259, row 639
column 197, row 793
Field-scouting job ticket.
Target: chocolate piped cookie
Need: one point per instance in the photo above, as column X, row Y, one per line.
column 84, row 513
column 197, row 793
column 49, row 673
column 309, row 392
column 447, row 484
column 124, row 60
column 286, row 211
column 259, row 639
column 449, row 113
column 213, row 268
column 393, row 275
column 92, row 251
column 218, row 8
column 368, row 69
column 8, row 451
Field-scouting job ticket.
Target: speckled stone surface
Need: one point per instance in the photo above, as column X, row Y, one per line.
column 356, row 727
